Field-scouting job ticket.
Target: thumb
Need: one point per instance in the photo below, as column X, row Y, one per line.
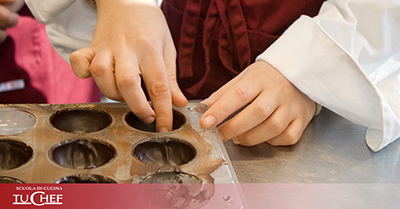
column 80, row 62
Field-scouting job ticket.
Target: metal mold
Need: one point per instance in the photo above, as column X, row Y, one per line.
column 164, row 151
column 106, row 143
column 13, row 154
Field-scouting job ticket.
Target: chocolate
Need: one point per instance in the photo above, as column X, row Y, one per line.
column 80, row 121
column 178, row 120
column 13, row 154
column 85, row 178
column 164, row 151
column 82, row 153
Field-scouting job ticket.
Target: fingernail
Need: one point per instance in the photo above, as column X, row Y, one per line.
column 163, row 130
column 208, row 121
column 148, row 120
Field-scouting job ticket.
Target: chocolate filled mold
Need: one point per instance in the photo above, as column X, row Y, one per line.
column 82, row 153
column 171, row 178
column 9, row 180
column 86, row 178
column 164, row 151
column 80, row 121
column 177, row 190
column 13, row 121
column 65, row 142
column 178, row 120
column 13, row 154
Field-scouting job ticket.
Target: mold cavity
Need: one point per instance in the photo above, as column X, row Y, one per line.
column 171, row 178
column 164, row 151
column 14, row 121
column 178, row 120
column 81, row 121
column 9, row 180
column 13, row 154
column 199, row 108
column 86, row 178
column 177, row 190
column 82, row 154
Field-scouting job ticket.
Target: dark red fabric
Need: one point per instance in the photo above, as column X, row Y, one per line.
column 27, row 54
column 217, row 39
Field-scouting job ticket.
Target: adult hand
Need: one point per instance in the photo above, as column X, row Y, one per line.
column 8, row 16
column 277, row 112
column 132, row 41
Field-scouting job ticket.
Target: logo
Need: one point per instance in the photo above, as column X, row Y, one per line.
column 38, row 196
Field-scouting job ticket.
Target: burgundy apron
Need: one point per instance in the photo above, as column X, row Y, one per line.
column 31, row 71
column 217, row 39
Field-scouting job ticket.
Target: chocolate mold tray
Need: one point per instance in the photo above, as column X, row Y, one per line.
column 106, row 143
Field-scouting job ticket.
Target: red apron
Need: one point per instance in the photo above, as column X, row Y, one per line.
column 217, row 39
column 31, row 71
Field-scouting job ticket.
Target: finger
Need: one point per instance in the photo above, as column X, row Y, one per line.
column 13, row 5
column 178, row 99
column 275, row 125
column 235, row 98
column 102, row 70
column 80, row 61
column 253, row 115
column 156, row 79
column 290, row 136
column 129, row 84
column 221, row 91
column 8, row 18
column 3, row 35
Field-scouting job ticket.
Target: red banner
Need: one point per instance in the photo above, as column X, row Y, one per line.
column 120, row 196
column 213, row 196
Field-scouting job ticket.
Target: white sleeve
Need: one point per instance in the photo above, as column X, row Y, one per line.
column 347, row 59
column 70, row 24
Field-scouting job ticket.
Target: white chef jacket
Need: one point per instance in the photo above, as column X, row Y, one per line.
column 347, row 58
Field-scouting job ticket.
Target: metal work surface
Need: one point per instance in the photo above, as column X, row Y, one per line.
column 331, row 150
column 330, row 167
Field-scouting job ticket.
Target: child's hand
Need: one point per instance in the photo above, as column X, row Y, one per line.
column 8, row 15
column 12, row 5
column 278, row 112
column 132, row 42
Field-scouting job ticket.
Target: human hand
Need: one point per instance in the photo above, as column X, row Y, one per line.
column 278, row 112
column 132, row 41
column 8, row 16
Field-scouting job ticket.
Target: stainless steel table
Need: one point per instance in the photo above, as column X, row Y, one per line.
column 331, row 166
column 331, row 150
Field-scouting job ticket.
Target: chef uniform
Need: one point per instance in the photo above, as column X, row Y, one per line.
column 343, row 54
